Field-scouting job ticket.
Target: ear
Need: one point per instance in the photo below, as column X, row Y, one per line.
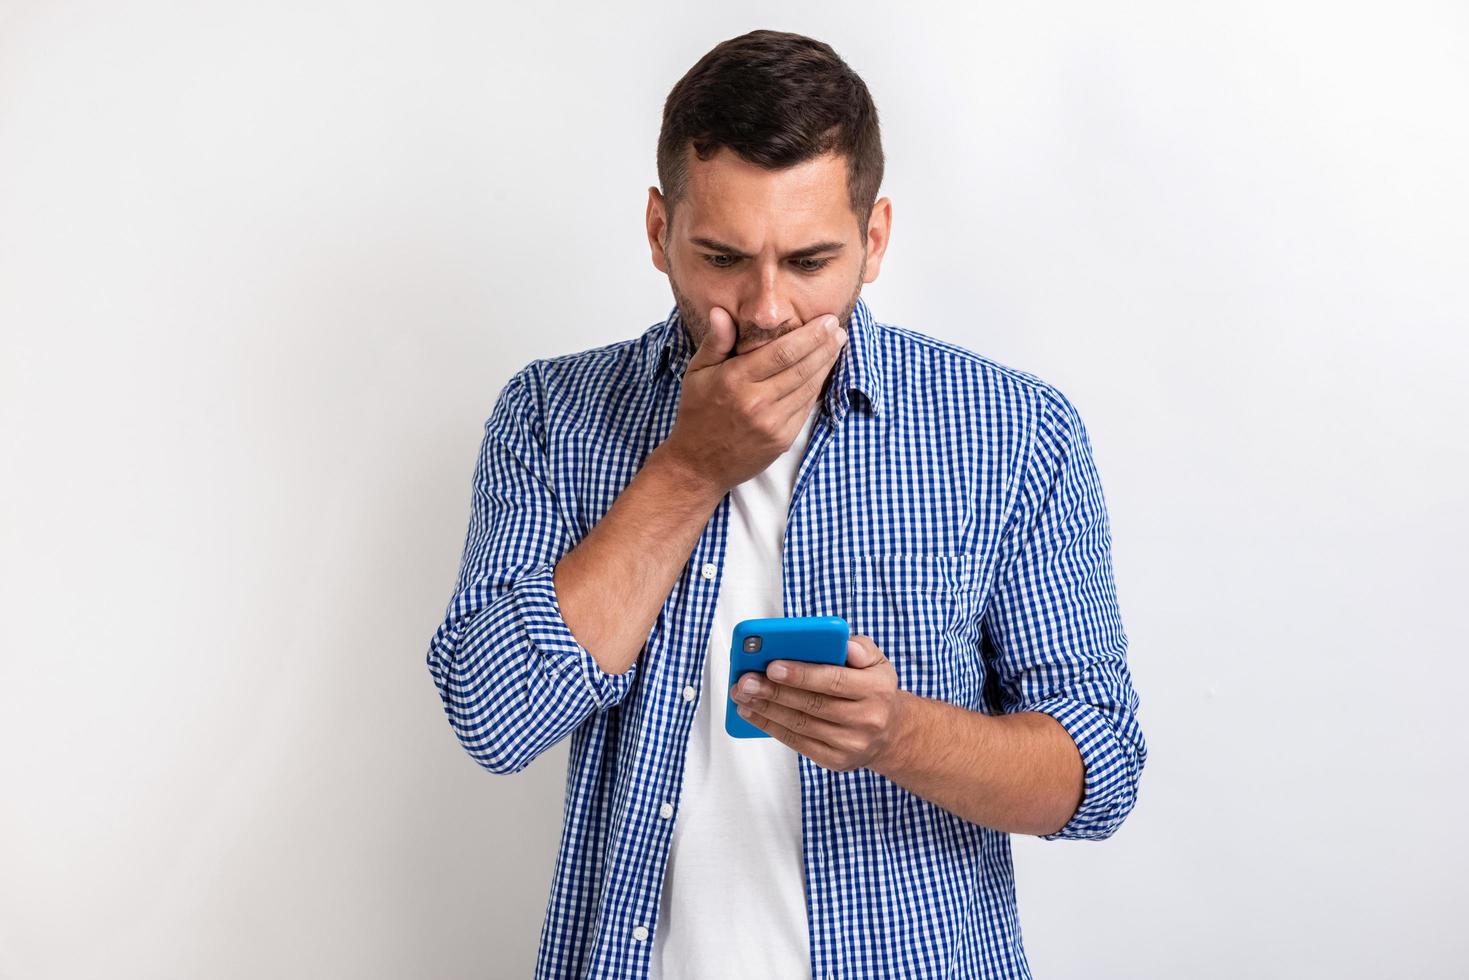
column 657, row 220
column 879, row 230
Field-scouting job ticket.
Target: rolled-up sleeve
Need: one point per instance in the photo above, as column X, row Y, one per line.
column 512, row 678
column 1052, row 630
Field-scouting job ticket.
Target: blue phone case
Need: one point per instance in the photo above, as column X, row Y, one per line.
column 813, row 639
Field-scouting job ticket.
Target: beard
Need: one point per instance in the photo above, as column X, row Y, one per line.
column 748, row 337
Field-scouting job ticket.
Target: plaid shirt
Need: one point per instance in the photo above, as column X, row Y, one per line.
column 947, row 506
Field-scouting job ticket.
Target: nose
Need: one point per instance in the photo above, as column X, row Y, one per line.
column 767, row 312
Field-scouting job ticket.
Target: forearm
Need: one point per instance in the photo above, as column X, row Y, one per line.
column 1019, row 773
column 613, row 583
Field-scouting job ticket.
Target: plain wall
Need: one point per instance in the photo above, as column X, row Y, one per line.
column 265, row 266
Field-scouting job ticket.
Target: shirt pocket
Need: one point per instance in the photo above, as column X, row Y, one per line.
column 923, row 613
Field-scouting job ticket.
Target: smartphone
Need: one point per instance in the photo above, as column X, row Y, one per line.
column 756, row 642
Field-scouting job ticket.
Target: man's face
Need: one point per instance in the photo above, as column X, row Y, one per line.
column 774, row 249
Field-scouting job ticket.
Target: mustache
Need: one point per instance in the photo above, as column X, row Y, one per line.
column 756, row 336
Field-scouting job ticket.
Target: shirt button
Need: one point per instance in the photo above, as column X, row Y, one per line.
column 640, row 933
column 689, row 693
column 665, row 811
column 709, row 570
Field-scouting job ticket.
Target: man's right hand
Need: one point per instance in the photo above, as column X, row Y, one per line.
column 736, row 415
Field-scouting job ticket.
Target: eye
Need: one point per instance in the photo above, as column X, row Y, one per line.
column 718, row 261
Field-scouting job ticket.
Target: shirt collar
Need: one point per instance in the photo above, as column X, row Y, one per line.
column 856, row 370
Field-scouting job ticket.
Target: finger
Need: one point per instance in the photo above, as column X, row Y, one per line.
column 786, row 350
column 802, row 381
column 844, row 712
column 862, row 652
column 833, row 736
column 830, row 679
column 717, row 342
column 793, row 423
column 817, row 751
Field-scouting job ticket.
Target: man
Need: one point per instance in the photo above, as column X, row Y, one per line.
column 741, row 459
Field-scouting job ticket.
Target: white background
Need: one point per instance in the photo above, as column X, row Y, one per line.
column 265, row 266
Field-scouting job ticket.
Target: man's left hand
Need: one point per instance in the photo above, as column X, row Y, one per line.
column 840, row 717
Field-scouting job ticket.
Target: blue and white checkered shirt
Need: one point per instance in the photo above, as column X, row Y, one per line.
column 947, row 506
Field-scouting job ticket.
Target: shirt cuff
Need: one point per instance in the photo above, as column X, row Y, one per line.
column 540, row 613
column 1110, row 770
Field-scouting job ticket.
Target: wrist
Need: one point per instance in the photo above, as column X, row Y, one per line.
column 685, row 476
column 897, row 755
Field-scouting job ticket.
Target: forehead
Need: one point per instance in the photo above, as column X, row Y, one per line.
column 729, row 190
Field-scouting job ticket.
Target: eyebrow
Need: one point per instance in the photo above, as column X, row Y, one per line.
column 800, row 253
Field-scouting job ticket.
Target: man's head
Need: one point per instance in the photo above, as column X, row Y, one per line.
column 770, row 146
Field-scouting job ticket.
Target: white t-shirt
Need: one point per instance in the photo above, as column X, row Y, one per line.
column 734, row 889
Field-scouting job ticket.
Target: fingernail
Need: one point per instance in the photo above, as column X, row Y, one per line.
column 777, row 671
column 830, row 322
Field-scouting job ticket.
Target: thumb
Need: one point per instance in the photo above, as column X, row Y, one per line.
column 862, row 652
column 718, row 341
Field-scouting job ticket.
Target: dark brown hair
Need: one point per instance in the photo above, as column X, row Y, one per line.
column 777, row 99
